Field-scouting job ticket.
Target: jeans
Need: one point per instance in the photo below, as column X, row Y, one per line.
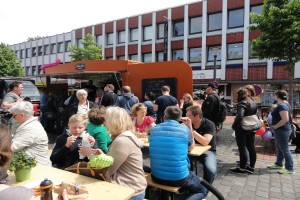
column 191, row 183
column 245, row 142
column 209, row 162
column 283, row 150
column 138, row 197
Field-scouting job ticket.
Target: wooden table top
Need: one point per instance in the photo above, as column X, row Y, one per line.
column 197, row 151
column 97, row 189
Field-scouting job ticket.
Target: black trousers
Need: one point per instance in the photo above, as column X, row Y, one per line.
column 245, row 143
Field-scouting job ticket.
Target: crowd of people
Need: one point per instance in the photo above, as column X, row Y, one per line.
column 114, row 126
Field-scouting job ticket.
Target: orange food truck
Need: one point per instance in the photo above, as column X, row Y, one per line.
column 141, row 77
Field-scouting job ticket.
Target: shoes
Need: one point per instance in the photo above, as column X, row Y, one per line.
column 237, row 171
column 249, row 170
column 238, row 163
column 274, row 166
column 285, row 171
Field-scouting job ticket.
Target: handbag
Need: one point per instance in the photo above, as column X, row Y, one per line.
column 251, row 123
column 84, row 169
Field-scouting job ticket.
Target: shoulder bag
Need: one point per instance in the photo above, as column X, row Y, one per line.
column 251, row 123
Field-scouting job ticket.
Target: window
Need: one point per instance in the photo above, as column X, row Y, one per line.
column 17, row 54
column 79, row 43
column 177, row 54
column 215, row 22
column 121, row 37
column 210, row 55
column 178, row 28
column 40, row 51
column 67, row 45
column 121, row 57
column 99, row 40
column 21, row 53
column 27, row 71
column 147, row 57
column 60, row 47
column 160, row 31
column 251, row 54
column 134, row 36
column 52, row 48
column 256, row 9
column 109, row 58
column 160, row 56
column 28, row 53
column 40, row 71
column 33, row 70
column 133, row 57
column 46, row 50
column 110, row 38
column 33, row 51
column 236, row 18
column 147, row 33
column 235, row 51
column 195, row 25
column 195, row 55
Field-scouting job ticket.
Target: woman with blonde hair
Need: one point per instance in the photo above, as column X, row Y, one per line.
column 127, row 168
column 140, row 120
column 186, row 101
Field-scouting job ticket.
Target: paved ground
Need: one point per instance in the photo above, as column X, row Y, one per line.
column 263, row 184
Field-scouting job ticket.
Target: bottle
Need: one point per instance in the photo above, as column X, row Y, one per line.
column 46, row 189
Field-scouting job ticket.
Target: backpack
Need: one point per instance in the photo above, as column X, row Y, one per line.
column 221, row 110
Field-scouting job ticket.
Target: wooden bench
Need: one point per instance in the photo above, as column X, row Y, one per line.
column 172, row 190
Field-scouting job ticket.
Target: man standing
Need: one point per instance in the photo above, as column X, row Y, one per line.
column 162, row 102
column 11, row 98
column 170, row 143
column 210, row 105
column 109, row 98
column 43, row 106
column 204, row 132
column 127, row 100
column 91, row 90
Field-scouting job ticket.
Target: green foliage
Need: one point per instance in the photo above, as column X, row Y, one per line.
column 9, row 64
column 33, row 38
column 279, row 25
column 21, row 160
column 90, row 50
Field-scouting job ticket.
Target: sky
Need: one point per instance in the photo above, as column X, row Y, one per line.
column 21, row 19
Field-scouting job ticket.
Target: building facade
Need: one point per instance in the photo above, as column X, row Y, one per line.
column 196, row 32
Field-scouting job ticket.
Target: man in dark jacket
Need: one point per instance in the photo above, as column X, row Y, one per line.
column 109, row 98
column 127, row 100
column 210, row 105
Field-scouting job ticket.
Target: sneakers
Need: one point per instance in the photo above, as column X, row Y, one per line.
column 274, row 166
column 285, row 171
column 237, row 171
column 249, row 170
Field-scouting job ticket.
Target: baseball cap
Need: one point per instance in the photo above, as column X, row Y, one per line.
column 213, row 85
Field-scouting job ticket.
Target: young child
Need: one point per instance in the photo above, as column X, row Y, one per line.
column 65, row 152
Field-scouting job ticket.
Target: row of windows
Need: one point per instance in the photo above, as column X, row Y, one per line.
column 235, row 20
column 234, row 52
column 59, row 47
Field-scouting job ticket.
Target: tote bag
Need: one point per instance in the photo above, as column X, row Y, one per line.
column 251, row 123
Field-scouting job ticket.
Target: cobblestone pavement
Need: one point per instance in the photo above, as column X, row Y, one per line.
column 263, row 184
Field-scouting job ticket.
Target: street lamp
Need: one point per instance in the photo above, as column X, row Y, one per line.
column 215, row 53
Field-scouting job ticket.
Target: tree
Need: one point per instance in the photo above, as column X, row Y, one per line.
column 90, row 51
column 279, row 25
column 34, row 38
column 9, row 64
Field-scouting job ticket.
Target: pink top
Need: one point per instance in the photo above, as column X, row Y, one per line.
column 146, row 123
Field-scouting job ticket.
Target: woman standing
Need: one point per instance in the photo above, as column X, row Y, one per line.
column 140, row 120
column 186, row 101
column 127, row 168
column 281, row 124
column 244, row 139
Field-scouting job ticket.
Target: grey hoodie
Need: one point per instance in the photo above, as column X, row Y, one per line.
column 127, row 101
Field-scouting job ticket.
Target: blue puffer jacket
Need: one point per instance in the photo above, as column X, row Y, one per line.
column 169, row 151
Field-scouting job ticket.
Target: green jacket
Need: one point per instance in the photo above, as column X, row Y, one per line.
column 100, row 134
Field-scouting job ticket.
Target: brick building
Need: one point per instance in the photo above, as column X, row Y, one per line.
column 194, row 30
